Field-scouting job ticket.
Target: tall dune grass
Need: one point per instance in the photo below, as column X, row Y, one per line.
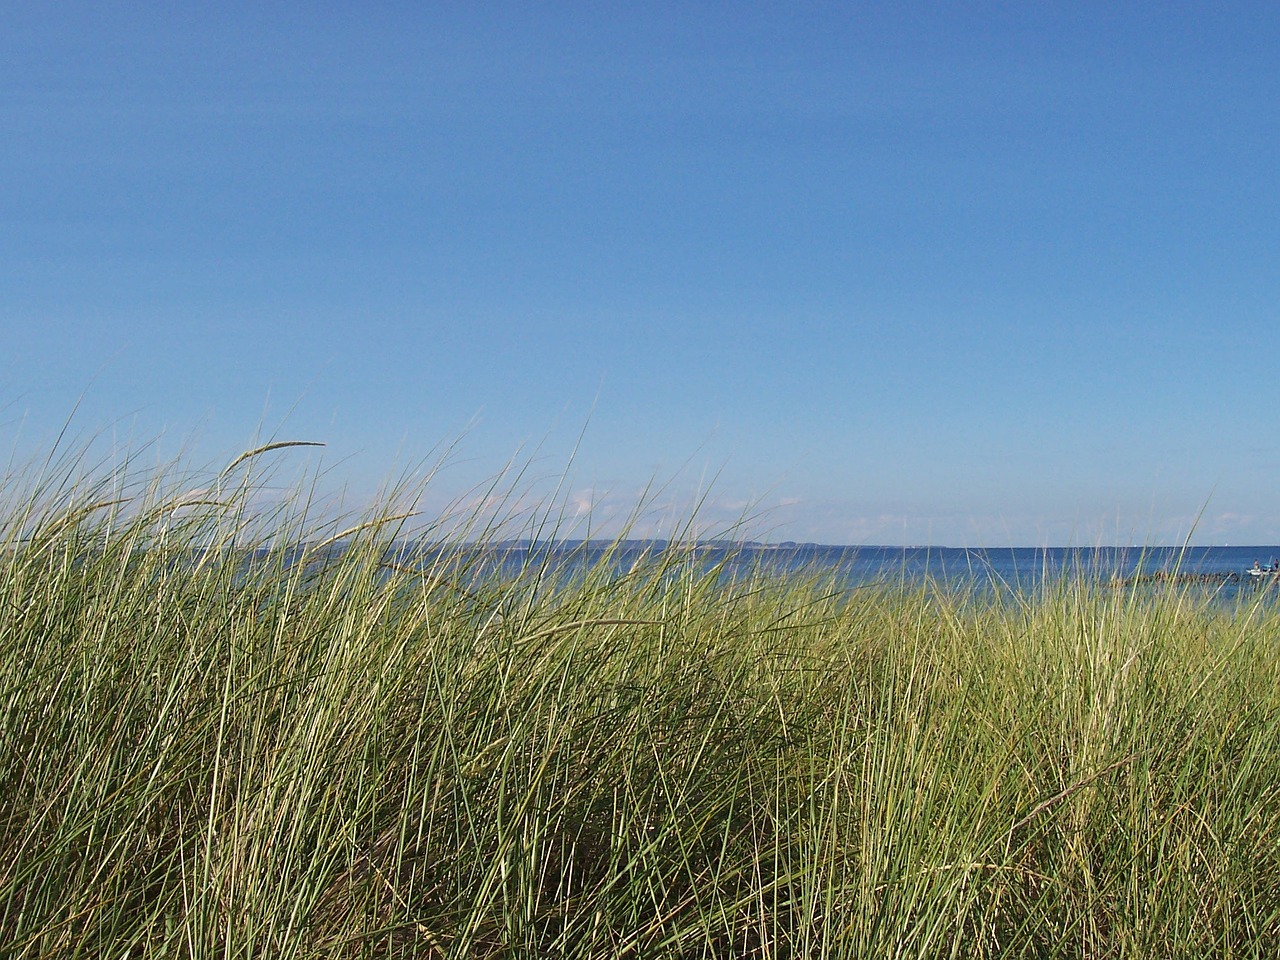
column 223, row 736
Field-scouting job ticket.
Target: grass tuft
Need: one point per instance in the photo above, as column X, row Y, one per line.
column 236, row 735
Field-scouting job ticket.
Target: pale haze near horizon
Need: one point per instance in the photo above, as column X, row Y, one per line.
column 977, row 274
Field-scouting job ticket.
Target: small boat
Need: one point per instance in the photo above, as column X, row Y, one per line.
column 1258, row 574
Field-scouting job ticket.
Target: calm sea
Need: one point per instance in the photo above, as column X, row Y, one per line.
column 1221, row 570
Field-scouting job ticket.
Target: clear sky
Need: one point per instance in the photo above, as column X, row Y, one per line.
column 961, row 273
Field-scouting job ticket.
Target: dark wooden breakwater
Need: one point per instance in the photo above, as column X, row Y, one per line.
column 1268, row 578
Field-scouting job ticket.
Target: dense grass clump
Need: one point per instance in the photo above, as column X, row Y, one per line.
column 232, row 735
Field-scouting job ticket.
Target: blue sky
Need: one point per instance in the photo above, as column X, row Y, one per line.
column 980, row 273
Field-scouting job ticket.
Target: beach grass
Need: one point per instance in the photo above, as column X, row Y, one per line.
column 231, row 731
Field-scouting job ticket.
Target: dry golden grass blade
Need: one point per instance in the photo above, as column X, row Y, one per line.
column 576, row 624
column 75, row 516
column 183, row 504
column 1066, row 793
column 267, row 448
column 428, row 578
column 359, row 527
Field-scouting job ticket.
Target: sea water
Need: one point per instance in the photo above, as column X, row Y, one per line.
column 1219, row 570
